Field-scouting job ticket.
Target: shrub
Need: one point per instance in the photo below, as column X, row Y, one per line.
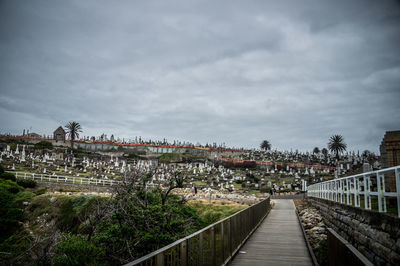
column 24, row 196
column 10, row 186
column 9, row 176
column 75, row 250
column 40, row 191
column 43, row 145
column 26, row 183
column 265, row 189
column 10, row 213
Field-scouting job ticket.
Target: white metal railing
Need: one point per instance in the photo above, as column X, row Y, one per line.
column 66, row 179
column 369, row 186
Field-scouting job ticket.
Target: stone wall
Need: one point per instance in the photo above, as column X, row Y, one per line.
column 375, row 235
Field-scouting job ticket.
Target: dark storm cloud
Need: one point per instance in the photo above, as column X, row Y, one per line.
column 292, row 72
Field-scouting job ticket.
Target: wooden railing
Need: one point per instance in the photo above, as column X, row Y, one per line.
column 214, row 245
column 362, row 190
column 66, row 179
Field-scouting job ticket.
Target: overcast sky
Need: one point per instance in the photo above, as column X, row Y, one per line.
column 291, row 72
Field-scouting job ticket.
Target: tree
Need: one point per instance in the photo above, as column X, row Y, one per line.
column 324, row 151
column 73, row 129
column 336, row 144
column 143, row 220
column 366, row 154
column 265, row 145
column 316, row 150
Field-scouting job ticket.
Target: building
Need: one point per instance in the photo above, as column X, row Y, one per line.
column 34, row 135
column 390, row 155
column 59, row 134
column 390, row 149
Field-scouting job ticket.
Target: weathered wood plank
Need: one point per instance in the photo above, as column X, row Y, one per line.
column 278, row 241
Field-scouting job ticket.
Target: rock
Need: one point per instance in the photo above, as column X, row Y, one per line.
column 25, row 203
column 308, row 226
column 53, row 199
column 318, row 229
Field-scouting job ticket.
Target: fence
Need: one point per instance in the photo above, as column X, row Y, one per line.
column 214, row 245
column 66, row 179
column 368, row 188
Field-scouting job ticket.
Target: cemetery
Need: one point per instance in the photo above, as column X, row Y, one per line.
column 227, row 171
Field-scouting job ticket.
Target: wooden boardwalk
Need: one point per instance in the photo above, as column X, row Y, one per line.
column 278, row 241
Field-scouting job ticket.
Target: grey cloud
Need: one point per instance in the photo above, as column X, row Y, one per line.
column 230, row 71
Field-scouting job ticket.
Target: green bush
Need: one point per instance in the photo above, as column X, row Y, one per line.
column 24, row 196
column 10, row 213
column 26, row 183
column 42, row 145
column 76, row 250
column 10, row 186
column 265, row 189
column 321, row 252
column 9, row 176
column 72, row 212
column 41, row 191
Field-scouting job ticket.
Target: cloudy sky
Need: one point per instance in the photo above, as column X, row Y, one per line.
column 291, row 72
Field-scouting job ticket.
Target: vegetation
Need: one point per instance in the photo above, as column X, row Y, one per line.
column 43, row 145
column 170, row 158
column 179, row 157
column 211, row 213
column 11, row 212
column 26, row 183
column 316, row 150
column 92, row 230
column 73, row 130
column 324, row 151
column 265, row 145
column 336, row 144
column 8, row 176
column 321, row 253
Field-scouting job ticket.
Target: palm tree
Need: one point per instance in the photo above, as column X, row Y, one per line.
column 316, row 150
column 265, row 145
column 336, row 144
column 73, row 129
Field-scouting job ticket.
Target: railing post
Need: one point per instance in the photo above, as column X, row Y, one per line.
column 358, row 192
column 366, row 192
column 222, row 242
column 201, row 249
column 213, row 247
column 160, row 259
column 369, row 190
column 397, row 176
column 383, row 192
column 230, row 234
column 341, row 190
column 183, row 250
column 347, row 191
column 378, row 183
column 355, row 192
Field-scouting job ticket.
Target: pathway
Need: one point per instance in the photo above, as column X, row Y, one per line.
column 278, row 241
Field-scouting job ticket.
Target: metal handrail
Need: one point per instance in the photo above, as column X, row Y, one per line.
column 351, row 190
column 215, row 244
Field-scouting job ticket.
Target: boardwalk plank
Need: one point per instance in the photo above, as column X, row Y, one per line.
column 278, row 241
